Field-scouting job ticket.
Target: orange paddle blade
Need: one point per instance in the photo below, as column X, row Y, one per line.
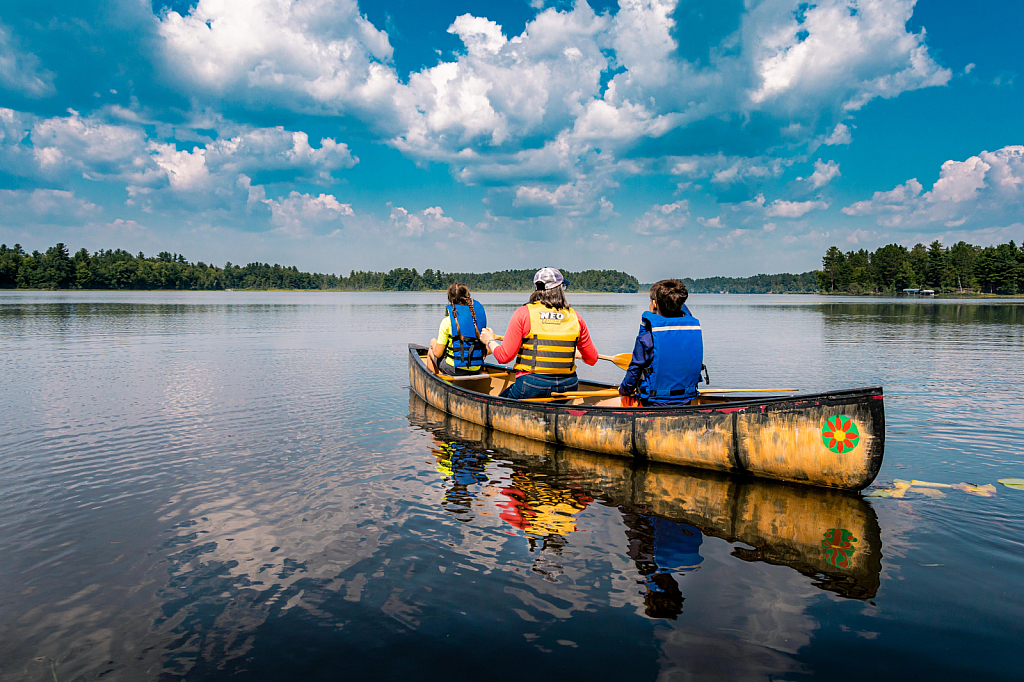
column 621, row 360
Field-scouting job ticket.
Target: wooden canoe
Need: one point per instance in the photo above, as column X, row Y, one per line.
column 769, row 437
column 831, row 536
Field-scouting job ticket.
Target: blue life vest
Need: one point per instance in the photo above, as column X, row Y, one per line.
column 466, row 349
column 674, row 372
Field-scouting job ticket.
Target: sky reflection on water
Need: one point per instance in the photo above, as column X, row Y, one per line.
column 209, row 485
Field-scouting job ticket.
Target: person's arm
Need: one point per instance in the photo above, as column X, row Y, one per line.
column 643, row 352
column 518, row 328
column 444, row 337
column 585, row 346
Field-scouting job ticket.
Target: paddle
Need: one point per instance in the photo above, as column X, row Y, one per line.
column 612, row 392
column 621, row 360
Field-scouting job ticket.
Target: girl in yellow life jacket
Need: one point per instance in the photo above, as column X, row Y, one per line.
column 543, row 336
column 458, row 350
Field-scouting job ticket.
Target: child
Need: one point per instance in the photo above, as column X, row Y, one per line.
column 668, row 353
column 457, row 350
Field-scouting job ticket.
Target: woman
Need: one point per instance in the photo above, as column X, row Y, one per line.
column 545, row 336
column 458, row 350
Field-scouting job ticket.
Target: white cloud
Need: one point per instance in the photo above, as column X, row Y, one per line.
column 530, row 107
column 185, row 170
column 823, row 174
column 307, row 55
column 715, row 222
column 480, row 36
column 88, row 147
column 426, row 221
column 793, row 209
column 299, row 215
column 726, row 170
column 47, row 206
column 663, row 219
column 262, row 149
column 895, row 199
column 840, row 135
column 984, row 189
column 20, row 71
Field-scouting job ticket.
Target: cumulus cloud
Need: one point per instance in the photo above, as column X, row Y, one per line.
column 417, row 224
column 97, row 148
column 985, row 189
column 724, row 170
column 300, row 215
column 87, row 146
column 663, row 219
column 793, row 209
column 308, row 55
column 532, row 110
column 257, row 150
column 840, row 135
column 48, row 206
column 823, row 174
column 21, row 72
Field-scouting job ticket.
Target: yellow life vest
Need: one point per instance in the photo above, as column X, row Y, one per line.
column 550, row 347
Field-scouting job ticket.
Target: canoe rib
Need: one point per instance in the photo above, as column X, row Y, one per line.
column 779, row 438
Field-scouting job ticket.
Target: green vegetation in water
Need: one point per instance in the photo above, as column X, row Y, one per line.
column 57, row 269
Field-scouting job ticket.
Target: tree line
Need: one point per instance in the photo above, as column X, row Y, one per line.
column 783, row 283
column 56, row 268
column 962, row 268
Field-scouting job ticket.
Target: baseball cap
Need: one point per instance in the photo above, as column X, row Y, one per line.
column 550, row 277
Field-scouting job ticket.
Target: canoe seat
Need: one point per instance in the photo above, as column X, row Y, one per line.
column 468, row 377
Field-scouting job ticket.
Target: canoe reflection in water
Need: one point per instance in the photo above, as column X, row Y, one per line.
column 830, row 536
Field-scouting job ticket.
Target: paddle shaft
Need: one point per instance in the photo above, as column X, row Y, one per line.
column 612, row 392
column 622, row 360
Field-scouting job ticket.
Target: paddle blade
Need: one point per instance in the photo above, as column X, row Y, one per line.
column 622, row 360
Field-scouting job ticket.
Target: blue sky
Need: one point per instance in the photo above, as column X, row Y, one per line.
column 661, row 137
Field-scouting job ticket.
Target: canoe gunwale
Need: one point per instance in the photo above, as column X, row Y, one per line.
column 843, row 396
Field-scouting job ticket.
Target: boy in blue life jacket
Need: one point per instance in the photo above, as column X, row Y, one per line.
column 668, row 353
column 457, row 350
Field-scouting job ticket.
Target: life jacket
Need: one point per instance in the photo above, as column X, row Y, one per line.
column 551, row 346
column 466, row 351
column 678, row 355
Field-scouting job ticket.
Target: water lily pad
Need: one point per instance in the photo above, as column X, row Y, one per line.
column 987, row 490
column 1015, row 483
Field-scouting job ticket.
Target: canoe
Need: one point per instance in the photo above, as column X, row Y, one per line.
column 787, row 438
column 830, row 536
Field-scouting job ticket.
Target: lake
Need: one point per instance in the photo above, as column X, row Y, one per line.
column 204, row 485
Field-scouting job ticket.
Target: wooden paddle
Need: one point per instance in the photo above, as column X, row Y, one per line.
column 702, row 391
column 612, row 392
column 621, row 360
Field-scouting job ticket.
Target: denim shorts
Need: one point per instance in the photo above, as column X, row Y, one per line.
column 541, row 385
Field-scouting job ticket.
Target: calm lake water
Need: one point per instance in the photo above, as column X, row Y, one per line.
column 210, row 485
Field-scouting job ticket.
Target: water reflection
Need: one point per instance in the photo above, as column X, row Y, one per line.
column 660, row 548
column 830, row 536
column 966, row 313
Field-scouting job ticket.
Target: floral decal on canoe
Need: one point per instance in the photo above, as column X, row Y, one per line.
column 840, row 434
column 838, row 545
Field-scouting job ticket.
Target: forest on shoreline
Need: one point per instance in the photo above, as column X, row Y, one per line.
column 962, row 269
column 56, row 268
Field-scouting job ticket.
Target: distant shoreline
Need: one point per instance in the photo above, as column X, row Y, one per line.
column 938, row 296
